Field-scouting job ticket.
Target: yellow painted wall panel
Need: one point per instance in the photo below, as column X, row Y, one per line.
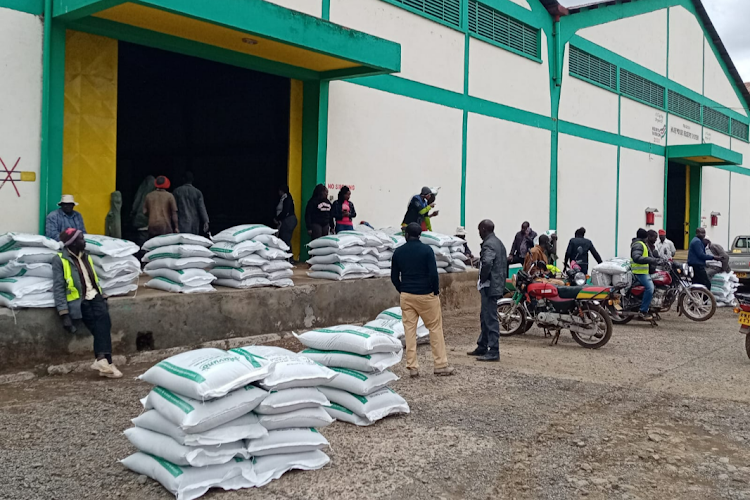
column 90, row 133
column 295, row 159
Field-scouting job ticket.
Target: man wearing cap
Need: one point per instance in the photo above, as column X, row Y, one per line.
column 461, row 233
column 161, row 209
column 63, row 218
column 78, row 296
column 419, row 208
column 664, row 247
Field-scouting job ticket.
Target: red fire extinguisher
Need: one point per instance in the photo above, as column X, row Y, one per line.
column 650, row 216
column 715, row 219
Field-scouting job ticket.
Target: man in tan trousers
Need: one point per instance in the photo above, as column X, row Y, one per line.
column 414, row 274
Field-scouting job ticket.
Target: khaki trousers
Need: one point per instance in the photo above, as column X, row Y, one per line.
column 428, row 307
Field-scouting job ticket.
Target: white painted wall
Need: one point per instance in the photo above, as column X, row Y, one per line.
column 717, row 85
column 501, row 76
column 311, row 7
column 507, row 177
column 744, row 149
column 683, row 131
column 739, row 222
column 685, row 49
column 586, row 104
column 386, row 147
column 641, row 187
column 430, row 52
column 642, row 122
column 587, row 191
column 20, row 117
column 715, row 198
column 714, row 137
column 642, row 39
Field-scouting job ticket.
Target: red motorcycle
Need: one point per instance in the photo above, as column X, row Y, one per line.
column 556, row 308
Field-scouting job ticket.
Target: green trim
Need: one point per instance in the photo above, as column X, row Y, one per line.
column 326, row 10
column 70, row 10
column 342, row 74
column 35, row 7
column 314, row 144
column 696, row 178
column 610, row 138
column 735, row 169
column 727, row 156
column 45, row 136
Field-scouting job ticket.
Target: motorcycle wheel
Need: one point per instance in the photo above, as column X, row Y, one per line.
column 619, row 319
column 511, row 322
column 747, row 345
column 601, row 319
column 698, row 304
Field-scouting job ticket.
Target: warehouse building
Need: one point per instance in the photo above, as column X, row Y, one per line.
column 609, row 116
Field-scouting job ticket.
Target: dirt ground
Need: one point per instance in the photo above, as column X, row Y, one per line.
column 657, row 413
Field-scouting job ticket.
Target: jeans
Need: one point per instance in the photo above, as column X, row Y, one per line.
column 318, row 231
column 428, row 308
column 344, row 227
column 490, row 337
column 286, row 229
column 648, row 294
column 96, row 318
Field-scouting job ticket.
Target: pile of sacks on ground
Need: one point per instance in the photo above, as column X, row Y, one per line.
column 449, row 252
column 251, row 256
column 26, row 270
column 723, row 287
column 116, row 267
column 178, row 263
column 391, row 320
column 612, row 273
column 351, row 255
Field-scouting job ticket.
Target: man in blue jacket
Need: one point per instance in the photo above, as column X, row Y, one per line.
column 697, row 258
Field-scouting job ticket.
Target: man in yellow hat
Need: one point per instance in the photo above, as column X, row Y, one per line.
column 64, row 218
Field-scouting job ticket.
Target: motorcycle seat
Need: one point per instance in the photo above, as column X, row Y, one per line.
column 569, row 292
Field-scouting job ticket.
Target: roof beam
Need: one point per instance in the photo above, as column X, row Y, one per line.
column 72, row 10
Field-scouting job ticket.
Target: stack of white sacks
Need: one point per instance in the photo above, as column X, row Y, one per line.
column 178, row 262
column 449, row 252
column 114, row 263
column 351, row 255
column 206, row 426
column 612, row 273
column 724, row 286
column 391, row 320
column 361, row 356
column 26, row 270
column 251, row 256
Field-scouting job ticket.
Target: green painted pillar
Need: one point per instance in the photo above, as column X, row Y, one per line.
column 695, row 199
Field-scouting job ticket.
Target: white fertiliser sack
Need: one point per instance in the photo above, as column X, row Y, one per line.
column 245, row 427
column 116, row 265
column 342, row 269
column 277, row 265
column 234, row 251
column 354, row 250
column 367, row 363
column 189, row 277
column 111, row 247
column 196, row 417
column 305, row 417
column 385, row 255
column 350, row 338
column 37, row 300
column 289, row 369
column 274, row 254
column 120, row 290
column 338, row 412
column 179, row 263
column 14, row 269
column 622, row 279
column 118, row 281
column 244, row 284
column 207, row 373
column 167, row 448
column 287, row 441
column 285, row 274
column 252, row 260
column 176, row 239
column 436, row 239
column 23, row 286
column 243, row 232
column 333, row 276
column 392, row 319
column 287, row 400
column 238, row 273
column 178, row 252
column 600, row 279
column 28, row 254
column 373, row 407
column 188, row 483
column 10, row 240
column 272, row 241
column 335, row 258
column 282, row 283
column 167, row 285
column 361, row 383
column 370, row 239
column 615, row 266
column 270, row 467
column 337, row 242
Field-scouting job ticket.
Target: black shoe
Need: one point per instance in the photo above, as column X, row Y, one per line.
column 477, row 352
column 645, row 317
column 489, row 357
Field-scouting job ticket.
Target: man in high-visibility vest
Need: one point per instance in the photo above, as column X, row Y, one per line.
column 78, row 296
column 640, row 259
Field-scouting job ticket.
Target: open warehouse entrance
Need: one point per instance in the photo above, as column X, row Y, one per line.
column 227, row 125
column 678, row 204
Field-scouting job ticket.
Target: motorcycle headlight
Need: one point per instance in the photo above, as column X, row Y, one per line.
column 580, row 279
column 687, row 270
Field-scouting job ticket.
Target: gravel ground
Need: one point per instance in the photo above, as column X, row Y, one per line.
column 658, row 413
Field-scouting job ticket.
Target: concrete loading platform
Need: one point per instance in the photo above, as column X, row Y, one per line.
column 162, row 320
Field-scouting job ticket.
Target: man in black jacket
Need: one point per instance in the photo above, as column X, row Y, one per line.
column 492, row 266
column 414, row 274
column 578, row 251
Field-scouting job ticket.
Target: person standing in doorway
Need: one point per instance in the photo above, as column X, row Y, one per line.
column 318, row 214
column 522, row 243
column 286, row 219
column 343, row 211
column 664, row 247
column 78, row 296
column 191, row 207
column 414, row 274
column 161, row 209
column 491, row 286
column 63, row 218
column 579, row 249
column 697, row 257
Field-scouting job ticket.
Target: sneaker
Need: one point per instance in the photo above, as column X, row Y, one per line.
column 102, row 366
column 489, row 357
column 645, row 317
column 413, row 372
column 444, row 372
column 477, row 352
column 115, row 373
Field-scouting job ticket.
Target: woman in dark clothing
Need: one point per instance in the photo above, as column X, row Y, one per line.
column 343, row 211
column 285, row 218
column 318, row 215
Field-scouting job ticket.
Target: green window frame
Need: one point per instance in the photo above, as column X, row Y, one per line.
column 684, row 106
column 592, row 69
column 740, row 130
column 641, row 89
column 447, row 12
column 495, row 27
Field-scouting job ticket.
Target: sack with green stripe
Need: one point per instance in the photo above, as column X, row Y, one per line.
column 235, row 251
column 189, row 277
column 167, row 285
column 437, row 239
column 207, row 373
column 167, row 448
column 243, row 232
column 289, row 369
column 22, row 286
column 338, row 241
column 305, row 417
column 178, row 252
column 392, row 318
column 287, row 441
column 351, row 338
column 245, row 427
column 170, row 261
column 176, row 239
column 15, row 268
column 368, row 363
column 373, row 407
column 189, row 483
column 31, row 255
column 270, row 467
column 239, row 273
column 296, row 398
column 35, row 300
column 9, row 240
column 97, row 244
column 196, row 417
column 361, row 383
column 244, row 284
column 338, row 412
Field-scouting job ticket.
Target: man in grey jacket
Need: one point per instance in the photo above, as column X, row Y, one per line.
column 491, row 286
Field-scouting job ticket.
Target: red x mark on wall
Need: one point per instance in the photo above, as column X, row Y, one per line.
column 8, row 176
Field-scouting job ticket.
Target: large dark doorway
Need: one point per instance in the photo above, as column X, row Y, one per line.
column 229, row 126
column 676, row 200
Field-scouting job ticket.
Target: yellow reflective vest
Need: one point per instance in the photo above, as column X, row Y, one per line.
column 72, row 291
column 640, row 268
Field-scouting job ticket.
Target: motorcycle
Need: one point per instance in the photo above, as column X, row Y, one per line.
column 556, row 308
column 671, row 286
column 743, row 308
